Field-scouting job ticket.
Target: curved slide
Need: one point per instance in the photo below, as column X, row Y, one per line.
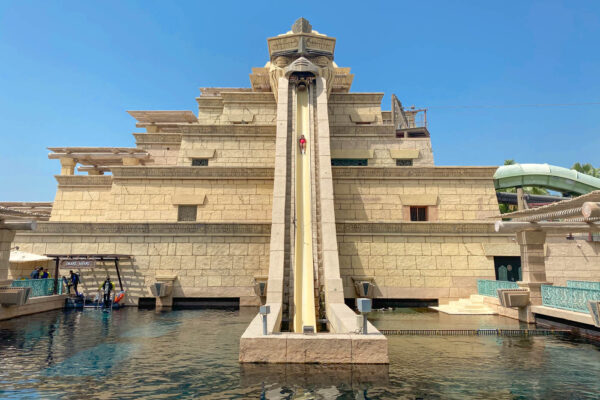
column 304, row 300
column 548, row 176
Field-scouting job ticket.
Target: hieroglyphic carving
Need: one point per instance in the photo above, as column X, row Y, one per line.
column 433, row 228
column 230, row 130
column 363, row 130
column 181, row 228
column 413, row 173
column 192, row 173
column 157, row 138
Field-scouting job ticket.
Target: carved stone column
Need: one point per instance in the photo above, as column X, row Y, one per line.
column 67, row 166
column 533, row 267
column 6, row 238
column 130, row 161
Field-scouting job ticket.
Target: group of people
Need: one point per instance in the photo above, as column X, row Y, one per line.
column 40, row 273
column 73, row 280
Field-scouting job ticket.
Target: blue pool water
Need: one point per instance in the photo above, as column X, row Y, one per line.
column 131, row 353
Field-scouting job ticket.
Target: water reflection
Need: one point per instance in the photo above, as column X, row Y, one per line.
column 355, row 377
column 190, row 354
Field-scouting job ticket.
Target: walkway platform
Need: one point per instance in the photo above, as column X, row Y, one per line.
column 34, row 305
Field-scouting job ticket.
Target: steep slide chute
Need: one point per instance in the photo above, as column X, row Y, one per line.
column 304, row 301
column 543, row 175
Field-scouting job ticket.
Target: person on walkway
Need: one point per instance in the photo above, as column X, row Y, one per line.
column 45, row 274
column 302, row 141
column 107, row 287
column 74, row 281
column 35, row 274
column 67, row 283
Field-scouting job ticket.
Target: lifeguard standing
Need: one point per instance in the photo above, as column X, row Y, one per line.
column 302, row 142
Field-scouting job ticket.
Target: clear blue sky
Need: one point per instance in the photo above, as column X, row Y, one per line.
column 70, row 69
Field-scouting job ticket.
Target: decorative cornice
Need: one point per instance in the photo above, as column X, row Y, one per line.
column 353, row 130
column 416, row 228
column 157, row 138
column 230, row 130
column 83, row 180
column 355, row 98
column 249, row 97
column 158, row 228
column 484, row 173
column 192, row 173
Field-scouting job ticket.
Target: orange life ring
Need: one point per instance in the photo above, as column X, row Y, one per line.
column 119, row 297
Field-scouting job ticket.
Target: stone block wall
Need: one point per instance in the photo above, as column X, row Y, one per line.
column 344, row 106
column 206, row 266
column 231, row 107
column 572, row 259
column 381, row 147
column 381, row 200
column 444, row 267
column 162, row 155
column 230, row 151
column 80, row 204
column 225, row 200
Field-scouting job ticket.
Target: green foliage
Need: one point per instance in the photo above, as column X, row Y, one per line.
column 587, row 169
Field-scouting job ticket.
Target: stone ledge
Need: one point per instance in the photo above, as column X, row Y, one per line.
column 157, row 138
column 355, row 98
column 158, row 228
column 254, row 130
column 484, row 173
column 192, row 173
column 33, row 306
column 426, row 228
column 320, row 348
column 370, row 131
column 84, row 180
column 582, row 318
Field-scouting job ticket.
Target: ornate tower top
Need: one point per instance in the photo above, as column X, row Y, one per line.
column 306, row 49
column 302, row 26
column 301, row 41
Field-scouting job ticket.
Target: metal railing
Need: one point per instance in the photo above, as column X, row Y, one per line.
column 39, row 287
column 486, row 287
column 568, row 298
column 584, row 285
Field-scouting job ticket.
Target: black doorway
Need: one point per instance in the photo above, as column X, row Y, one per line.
column 508, row 269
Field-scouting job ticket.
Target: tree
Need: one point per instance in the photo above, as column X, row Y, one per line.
column 587, row 169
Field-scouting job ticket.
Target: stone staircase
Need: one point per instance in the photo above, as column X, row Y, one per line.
column 474, row 305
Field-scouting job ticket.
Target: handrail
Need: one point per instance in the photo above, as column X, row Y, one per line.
column 488, row 287
column 39, row 287
column 584, row 285
column 568, row 298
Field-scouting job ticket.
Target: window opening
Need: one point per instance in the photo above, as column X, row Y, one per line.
column 187, row 213
column 349, row 162
column 418, row 213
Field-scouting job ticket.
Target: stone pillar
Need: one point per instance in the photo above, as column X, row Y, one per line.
column 130, row 161
column 67, row 166
column 6, row 238
column 95, row 172
column 533, row 267
column 165, row 302
column 521, row 204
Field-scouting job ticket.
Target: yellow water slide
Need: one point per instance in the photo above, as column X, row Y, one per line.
column 304, row 301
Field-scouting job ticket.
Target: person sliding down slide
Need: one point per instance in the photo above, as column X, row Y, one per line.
column 302, row 142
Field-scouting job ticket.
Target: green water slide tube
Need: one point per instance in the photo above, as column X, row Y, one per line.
column 543, row 175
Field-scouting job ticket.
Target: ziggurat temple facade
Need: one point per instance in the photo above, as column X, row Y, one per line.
column 208, row 198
